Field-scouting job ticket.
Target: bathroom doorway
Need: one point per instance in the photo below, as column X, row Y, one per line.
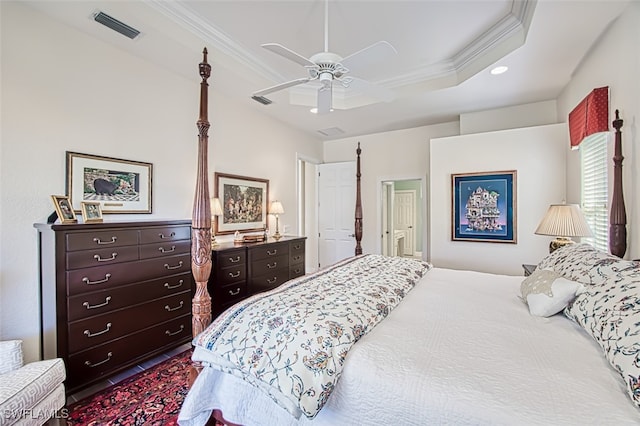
column 403, row 208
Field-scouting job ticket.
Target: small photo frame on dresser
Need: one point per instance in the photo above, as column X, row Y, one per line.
column 63, row 208
column 91, row 211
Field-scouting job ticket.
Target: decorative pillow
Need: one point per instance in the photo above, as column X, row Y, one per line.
column 586, row 265
column 609, row 310
column 11, row 355
column 547, row 292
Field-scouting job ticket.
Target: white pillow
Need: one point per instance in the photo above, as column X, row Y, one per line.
column 547, row 292
column 11, row 355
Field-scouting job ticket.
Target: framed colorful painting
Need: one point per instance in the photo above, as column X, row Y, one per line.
column 244, row 203
column 484, row 207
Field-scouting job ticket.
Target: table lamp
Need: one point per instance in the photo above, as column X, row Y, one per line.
column 276, row 209
column 216, row 210
column 563, row 221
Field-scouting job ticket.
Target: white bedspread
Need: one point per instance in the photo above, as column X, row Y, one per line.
column 461, row 349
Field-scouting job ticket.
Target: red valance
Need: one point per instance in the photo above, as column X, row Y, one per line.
column 589, row 116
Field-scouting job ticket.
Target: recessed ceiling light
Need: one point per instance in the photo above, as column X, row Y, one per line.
column 499, row 70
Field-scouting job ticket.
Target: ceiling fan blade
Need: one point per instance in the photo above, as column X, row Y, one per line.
column 324, row 99
column 364, row 59
column 282, row 86
column 289, row 54
column 369, row 89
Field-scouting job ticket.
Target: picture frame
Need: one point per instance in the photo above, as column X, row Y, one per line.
column 120, row 186
column 64, row 210
column 91, row 211
column 244, row 203
column 484, row 207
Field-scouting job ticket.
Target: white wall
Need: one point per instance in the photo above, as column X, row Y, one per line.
column 62, row 90
column 401, row 154
column 615, row 62
column 538, row 155
column 527, row 115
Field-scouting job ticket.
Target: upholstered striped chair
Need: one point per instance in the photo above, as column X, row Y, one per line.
column 29, row 394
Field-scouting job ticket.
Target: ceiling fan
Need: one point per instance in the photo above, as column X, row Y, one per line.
column 327, row 68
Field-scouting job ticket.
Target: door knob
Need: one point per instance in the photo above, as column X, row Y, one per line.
column 352, row 235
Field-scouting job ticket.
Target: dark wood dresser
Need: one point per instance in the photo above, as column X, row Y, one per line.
column 242, row 270
column 113, row 294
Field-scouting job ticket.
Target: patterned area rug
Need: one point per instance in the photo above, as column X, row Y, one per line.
column 151, row 397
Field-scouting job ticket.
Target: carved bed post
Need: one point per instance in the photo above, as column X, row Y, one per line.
column 618, row 214
column 358, row 204
column 201, row 215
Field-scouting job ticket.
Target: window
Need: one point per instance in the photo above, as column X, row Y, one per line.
column 595, row 197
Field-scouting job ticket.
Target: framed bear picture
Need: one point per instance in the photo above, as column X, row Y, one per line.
column 119, row 186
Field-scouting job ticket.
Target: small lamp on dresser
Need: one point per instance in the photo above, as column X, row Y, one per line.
column 563, row 221
column 216, row 210
column 276, row 209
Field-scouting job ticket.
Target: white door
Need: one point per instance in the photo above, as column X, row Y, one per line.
column 404, row 218
column 336, row 212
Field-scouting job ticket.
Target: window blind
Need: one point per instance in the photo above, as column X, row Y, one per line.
column 595, row 197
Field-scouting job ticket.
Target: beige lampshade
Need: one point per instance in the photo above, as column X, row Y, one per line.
column 276, row 208
column 216, row 207
column 564, row 220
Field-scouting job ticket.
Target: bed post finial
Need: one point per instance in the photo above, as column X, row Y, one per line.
column 618, row 214
column 201, row 214
column 358, row 224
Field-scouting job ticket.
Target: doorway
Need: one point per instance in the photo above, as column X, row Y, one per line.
column 402, row 218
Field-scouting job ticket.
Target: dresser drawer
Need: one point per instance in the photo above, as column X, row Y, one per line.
column 102, row 277
column 98, row 329
column 268, row 251
column 269, row 281
column 103, row 301
column 297, row 247
column 296, row 270
column 101, row 256
column 270, row 266
column 229, row 258
column 107, row 358
column 296, row 257
column 230, row 294
column 101, row 239
column 170, row 248
column 164, row 234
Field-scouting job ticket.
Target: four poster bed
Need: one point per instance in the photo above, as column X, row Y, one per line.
column 425, row 345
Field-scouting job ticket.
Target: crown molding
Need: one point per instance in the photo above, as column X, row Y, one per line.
column 503, row 37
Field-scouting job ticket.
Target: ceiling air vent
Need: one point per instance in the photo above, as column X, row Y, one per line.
column 262, row 100
column 331, row 131
column 116, row 25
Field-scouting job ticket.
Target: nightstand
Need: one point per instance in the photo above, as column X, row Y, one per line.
column 528, row 269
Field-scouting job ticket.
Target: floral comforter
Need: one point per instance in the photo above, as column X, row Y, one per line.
column 292, row 342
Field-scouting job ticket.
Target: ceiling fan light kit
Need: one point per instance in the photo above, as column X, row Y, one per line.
column 327, row 67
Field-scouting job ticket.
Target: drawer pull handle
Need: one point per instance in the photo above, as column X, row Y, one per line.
column 272, row 280
column 297, row 271
column 234, row 260
column 297, row 258
column 90, row 334
column 170, row 309
column 171, row 287
column 169, row 333
column 236, row 275
column 100, row 242
column 235, row 293
column 89, row 364
column 272, row 265
column 297, row 247
column 162, row 249
column 89, row 282
column 171, row 235
column 179, row 265
column 106, row 302
column 106, row 259
column 271, row 253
